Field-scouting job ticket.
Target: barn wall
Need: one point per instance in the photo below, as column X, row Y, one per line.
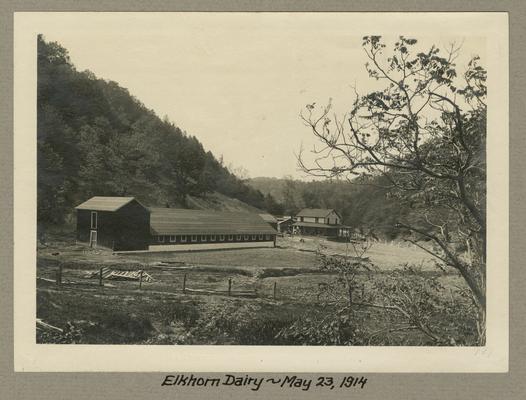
column 105, row 227
column 125, row 229
column 209, row 246
column 131, row 228
column 83, row 225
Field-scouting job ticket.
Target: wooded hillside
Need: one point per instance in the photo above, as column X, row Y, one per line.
column 95, row 138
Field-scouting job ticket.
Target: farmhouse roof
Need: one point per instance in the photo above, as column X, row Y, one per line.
column 268, row 218
column 103, row 203
column 315, row 212
column 176, row 221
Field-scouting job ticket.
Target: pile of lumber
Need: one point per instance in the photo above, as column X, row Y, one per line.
column 122, row 275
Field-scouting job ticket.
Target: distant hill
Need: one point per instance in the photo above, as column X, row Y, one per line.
column 95, row 138
column 273, row 186
column 220, row 202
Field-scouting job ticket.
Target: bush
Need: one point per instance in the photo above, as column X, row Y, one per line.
column 121, row 327
column 245, row 324
column 186, row 313
column 71, row 334
column 321, row 329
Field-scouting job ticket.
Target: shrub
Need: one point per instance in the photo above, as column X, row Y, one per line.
column 121, row 327
column 71, row 334
column 186, row 313
column 244, row 324
column 320, row 329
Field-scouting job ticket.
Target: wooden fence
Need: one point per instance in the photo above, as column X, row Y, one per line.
column 141, row 276
column 229, row 292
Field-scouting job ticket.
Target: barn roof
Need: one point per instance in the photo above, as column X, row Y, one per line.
column 104, row 203
column 176, row 221
column 315, row 212
column 268, row 218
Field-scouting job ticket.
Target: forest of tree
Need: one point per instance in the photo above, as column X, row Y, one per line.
column 95, row 138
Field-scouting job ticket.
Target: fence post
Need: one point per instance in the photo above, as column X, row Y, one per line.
column 100, row 277
column 274, row 295
column 140, row 279
column 229, row 286
column 184, row 283
column 59, row 274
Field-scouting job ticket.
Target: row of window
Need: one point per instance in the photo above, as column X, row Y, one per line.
column 210, row 238
column 316, row 220
column 320, row 220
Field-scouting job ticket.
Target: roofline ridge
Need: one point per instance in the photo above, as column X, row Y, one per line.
column 130, row 199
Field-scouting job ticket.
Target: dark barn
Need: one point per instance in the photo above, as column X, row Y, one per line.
column 124, row 224
column 119, row 223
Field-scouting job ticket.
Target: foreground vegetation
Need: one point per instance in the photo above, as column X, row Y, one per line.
column 306, row 308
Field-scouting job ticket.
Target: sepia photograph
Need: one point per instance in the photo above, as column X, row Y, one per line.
column 264, row 179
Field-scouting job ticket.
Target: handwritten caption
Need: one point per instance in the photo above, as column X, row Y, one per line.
column 256, row 383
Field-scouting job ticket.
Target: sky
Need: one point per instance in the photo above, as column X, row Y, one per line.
column 237, row 81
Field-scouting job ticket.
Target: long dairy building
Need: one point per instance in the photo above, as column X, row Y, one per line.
column 124, row 224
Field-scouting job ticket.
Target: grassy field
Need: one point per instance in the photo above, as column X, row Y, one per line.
column 159, row 312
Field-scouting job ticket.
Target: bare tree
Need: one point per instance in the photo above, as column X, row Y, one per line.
column 425, row 132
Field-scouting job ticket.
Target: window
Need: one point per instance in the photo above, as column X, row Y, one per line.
column 238, row 237
column 160, row 239
column 254, row 237
column 260, row 237
column 212, row 238
column 203, row 238
column 183, row 239
column 94, row 220
column 267, row 237
column 172, row 238
column 316, row 220
column 245, row 237
column 230, row 238
column 221, row 238
column 301, row 219
column 194, row 238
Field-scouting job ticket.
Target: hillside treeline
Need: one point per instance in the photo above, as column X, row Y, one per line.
column 95, row 138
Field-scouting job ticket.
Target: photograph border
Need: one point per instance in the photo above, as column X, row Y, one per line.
column 477, row 383
column 493, row 357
